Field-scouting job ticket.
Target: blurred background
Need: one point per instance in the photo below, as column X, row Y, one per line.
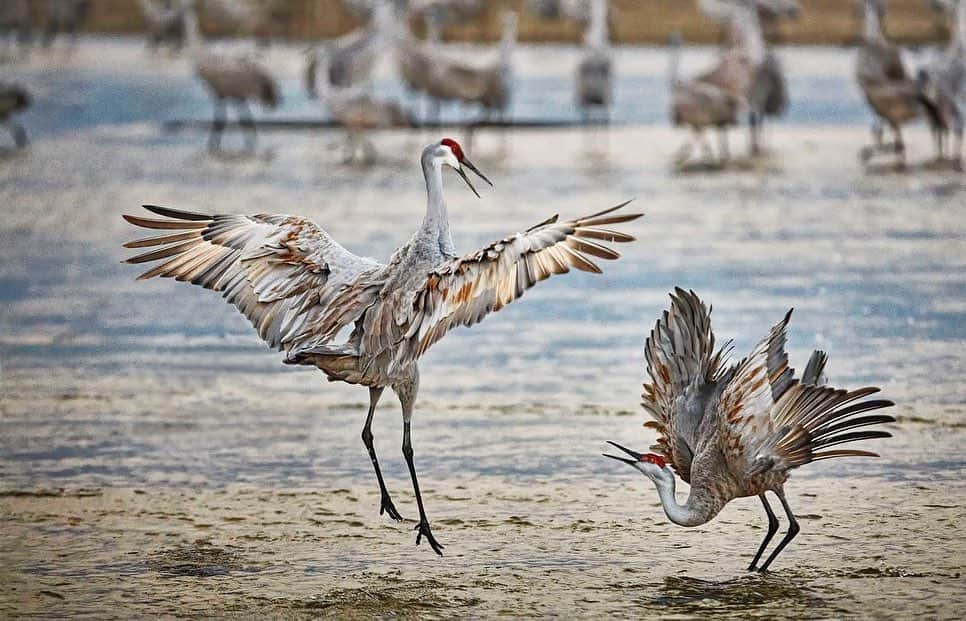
column 156, row 458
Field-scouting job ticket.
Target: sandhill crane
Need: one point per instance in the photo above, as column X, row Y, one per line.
column 64, row 16
column 893, row 96
column 942, row 82
column 230, row 79
column 14, row 99
column 300, row 288
column 768, row 92
column 489, row 85
column 738, row 431
column 595, row 80
column 351, row 57
column 165, row 24
column 699, row 105
column 15, row 22
column 355, row 108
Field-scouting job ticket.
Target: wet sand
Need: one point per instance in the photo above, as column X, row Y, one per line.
column 156, row 459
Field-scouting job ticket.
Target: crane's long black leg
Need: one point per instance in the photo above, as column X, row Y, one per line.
column 247, row 121
column 792, row 531
column 386, row 505
column 218, row 122
column 423, row 526
column 772, row 529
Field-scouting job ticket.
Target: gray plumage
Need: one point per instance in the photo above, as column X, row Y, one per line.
column 300, row 288
column 733, row 431
column 14, row 99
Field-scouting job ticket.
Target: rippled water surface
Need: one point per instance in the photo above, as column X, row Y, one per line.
column 156, row 458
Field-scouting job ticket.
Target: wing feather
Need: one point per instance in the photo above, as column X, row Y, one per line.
column 284, row 273
column 464, row 290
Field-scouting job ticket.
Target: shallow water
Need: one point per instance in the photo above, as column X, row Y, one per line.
column 156, row 458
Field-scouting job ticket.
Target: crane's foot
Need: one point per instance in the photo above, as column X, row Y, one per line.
column 388, row 508
column 424, row 531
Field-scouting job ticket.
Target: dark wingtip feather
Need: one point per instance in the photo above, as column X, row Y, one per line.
column 178, row 214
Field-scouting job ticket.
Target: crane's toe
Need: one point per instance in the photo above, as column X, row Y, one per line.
column 424, row 531
column 387, row 507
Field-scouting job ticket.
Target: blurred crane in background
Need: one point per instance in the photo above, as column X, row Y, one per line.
column 356, row 109
column 942, row 84
column 166, row 24
column 14, row 99
column 230, row 79
column 768, row 94
column 595, row 79
column 64, row 16
column 714, row 98
column 892, row 94
column 352, row 56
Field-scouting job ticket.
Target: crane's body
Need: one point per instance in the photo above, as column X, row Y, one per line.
column 300, row 288
column 737, row 431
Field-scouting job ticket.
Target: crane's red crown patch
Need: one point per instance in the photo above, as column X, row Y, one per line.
column 455, row 147
column 657, row 460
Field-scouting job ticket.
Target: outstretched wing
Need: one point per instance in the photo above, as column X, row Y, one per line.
column 771, row 421
column 681, row 361
column 463, row 291
column 284, row 273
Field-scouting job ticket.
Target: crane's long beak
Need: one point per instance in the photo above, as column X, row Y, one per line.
column 637, row 456
column 462, row 173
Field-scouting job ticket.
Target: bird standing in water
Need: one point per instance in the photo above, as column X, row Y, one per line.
column 738, row 431
column 300, row 288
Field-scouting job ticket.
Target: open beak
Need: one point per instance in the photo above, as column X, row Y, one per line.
column 637, row 456
column 462, row 173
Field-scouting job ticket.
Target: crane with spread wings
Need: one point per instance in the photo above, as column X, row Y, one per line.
column 300, row 288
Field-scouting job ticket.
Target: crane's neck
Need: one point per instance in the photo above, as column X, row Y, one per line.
column 747, row 32
column 596, row 34
column 193, row 38
column 959, row 32
column 508, row 39
column 873, row 26
column 436, row 222
column 674, row 63
column 701, row 506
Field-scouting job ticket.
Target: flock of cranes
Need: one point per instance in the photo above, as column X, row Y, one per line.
column 745, row 81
